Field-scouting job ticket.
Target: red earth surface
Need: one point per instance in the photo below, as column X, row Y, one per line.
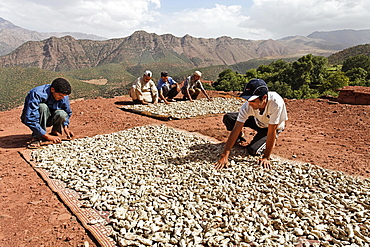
column 321, row 132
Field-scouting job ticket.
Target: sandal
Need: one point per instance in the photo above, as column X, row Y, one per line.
column 34, row 144
column 241, row 139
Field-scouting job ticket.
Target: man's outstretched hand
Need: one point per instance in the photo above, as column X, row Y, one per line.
column 265, row 162
column 221, row 163
column 69, row 134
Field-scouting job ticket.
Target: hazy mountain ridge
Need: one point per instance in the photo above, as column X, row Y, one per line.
column 346, row 37
column 12, row 36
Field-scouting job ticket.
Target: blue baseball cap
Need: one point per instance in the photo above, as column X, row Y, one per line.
column 254, row 89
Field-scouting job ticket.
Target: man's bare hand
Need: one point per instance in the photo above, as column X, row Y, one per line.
column 265, row 162
column 69, row 134
column 221, row 163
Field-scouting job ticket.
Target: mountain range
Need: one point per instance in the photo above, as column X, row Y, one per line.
column 12, row 36
column 79, row 51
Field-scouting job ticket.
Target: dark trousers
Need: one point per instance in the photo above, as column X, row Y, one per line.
column 49, row 118
column 258, row 144
column 171, row 93
column 193, row 92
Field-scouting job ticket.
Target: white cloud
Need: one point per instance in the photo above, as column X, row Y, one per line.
column 220, row 20
column 263, row 19
column 111, row 18
column 302, row 17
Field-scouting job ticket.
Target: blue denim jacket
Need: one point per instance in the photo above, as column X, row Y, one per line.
column 31, row 115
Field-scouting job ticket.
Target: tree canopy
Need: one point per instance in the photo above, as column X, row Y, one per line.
column 308, row 77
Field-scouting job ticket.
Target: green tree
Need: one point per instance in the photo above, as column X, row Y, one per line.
column 265, row 69
column 229, row 80
column 267, row 73
column 319, row 71
column 334, row 81
column 357, row 76
column 251, row 73
column 281, row 88
column 308, row 70
column 305, row 92
column 301, row 71
column 208, row 87
column 284, row 75
column 279, row 65
column 359, row 61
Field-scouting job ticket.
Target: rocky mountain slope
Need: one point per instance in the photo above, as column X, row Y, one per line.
column 57, row 52
column 339, row 57
column 67, row 53
column 12, row 36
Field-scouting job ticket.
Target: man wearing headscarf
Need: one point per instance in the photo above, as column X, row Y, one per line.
column 193, row 86
column 144, row 90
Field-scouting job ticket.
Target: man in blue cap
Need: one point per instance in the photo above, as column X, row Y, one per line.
column 264, row 112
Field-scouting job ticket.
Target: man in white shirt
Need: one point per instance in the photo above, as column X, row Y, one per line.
column 144, row 90
column 193, row 86
column 264, row 112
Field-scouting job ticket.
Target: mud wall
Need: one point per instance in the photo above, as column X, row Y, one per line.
column 354, row 95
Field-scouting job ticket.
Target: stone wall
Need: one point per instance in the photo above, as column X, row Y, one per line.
column 355, row 95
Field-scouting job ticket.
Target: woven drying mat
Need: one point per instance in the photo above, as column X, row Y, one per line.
column 70, row 198
column 163, row 117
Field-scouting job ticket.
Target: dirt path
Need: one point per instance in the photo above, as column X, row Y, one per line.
column 332, row 136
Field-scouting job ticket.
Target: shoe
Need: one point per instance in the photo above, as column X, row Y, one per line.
column 261, row 149
column 241, row 139
column 171, row 100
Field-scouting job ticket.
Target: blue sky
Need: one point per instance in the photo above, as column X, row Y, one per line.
column 249, row 19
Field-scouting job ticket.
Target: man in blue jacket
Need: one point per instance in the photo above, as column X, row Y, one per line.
column 45, row 106
column 167, row 88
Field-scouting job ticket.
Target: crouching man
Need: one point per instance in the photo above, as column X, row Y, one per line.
column 144, row 90
column 45, row 106
column 193, row 86
column 264, row 112
column 167, row 87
